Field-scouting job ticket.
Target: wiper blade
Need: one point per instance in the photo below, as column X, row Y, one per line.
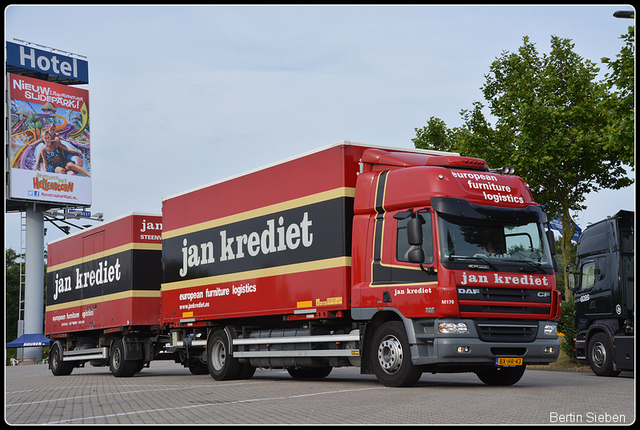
column 536, row 266
column 475, row 257
column 486, row 260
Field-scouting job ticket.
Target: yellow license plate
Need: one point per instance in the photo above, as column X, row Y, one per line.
column 507, row 361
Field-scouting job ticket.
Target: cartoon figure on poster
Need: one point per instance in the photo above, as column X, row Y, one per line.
column 50, row 139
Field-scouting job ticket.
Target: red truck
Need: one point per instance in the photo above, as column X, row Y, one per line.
column 394, row 260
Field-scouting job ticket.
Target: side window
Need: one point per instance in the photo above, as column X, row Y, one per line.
column 402, row 243
column 587, row 275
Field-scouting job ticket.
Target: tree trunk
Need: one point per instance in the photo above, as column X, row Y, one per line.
column 568, row 230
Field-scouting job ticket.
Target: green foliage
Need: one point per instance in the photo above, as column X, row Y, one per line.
column 620, row 83
column 567, row 327
column 12, row 292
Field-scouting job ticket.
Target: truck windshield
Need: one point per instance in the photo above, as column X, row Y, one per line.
column 492, row 242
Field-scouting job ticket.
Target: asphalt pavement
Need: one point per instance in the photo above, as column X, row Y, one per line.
column 168, row 394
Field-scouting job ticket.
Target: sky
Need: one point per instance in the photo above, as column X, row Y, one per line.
column 182, row 96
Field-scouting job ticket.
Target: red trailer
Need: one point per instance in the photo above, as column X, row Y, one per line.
column 395, row 260
column 103, row 283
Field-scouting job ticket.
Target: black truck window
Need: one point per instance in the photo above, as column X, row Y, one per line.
column 587, row 275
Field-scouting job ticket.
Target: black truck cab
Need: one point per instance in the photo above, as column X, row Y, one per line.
column 603, row 284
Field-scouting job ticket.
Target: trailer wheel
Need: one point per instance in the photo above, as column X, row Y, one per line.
column 309, row 372
column 59, row 367
column 501, row 376
column 222, row 365
column 600, row 355
column 120, row 367
column 391, row 357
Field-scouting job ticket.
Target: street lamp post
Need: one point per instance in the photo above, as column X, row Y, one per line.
column 624, row 14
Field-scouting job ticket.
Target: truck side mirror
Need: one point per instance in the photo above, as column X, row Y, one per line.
column 571, row 281
column 416, row 255
column 414, row 232
column 414, row 237
column 552, row 242
column 571, row 276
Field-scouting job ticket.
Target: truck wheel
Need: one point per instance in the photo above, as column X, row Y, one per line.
column 501, row 376
column 222, row 365
column 198, row 368
column 59, row 367
column 600, row 355
column 309, row 372
column 391, row 357
column 247, row 372
column 120, row 367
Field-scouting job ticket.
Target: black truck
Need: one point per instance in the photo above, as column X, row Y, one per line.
column 602, row 282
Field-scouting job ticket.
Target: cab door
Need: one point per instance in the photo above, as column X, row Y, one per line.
column 593, row 299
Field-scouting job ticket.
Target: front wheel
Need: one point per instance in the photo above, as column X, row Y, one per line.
column 391, row 357
column 600, row 355
column 501, row 376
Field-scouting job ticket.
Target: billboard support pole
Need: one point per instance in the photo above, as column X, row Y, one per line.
column 34, row 280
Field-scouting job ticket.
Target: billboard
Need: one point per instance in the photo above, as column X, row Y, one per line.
column 49, row 148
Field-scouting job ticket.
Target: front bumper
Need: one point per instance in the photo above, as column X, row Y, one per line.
column 429, row 347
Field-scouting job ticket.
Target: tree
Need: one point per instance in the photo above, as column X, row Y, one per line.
column 562, row 262
column 553, row 124
column 12, row 291
column 620, row 83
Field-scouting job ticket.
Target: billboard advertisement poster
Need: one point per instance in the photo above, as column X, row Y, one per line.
column 49, row 148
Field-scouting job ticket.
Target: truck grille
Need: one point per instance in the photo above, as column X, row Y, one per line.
column 474, row 301
column 506, row 331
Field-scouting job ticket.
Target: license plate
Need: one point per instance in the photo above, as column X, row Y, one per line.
column 508, row 361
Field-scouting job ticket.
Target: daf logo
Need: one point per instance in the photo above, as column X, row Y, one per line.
column 544, row 293
column 468, row 291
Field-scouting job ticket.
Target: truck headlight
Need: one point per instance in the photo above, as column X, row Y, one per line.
column 550, row 329
column 449, row 327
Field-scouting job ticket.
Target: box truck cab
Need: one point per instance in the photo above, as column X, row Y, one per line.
column 458, row 255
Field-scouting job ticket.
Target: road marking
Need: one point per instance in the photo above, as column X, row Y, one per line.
column 235, row 402
column 177, row 387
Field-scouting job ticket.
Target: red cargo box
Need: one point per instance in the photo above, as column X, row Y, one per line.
column 275, row 241
column 105, row 277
